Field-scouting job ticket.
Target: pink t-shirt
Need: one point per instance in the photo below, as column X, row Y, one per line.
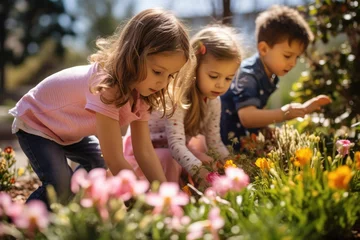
column 63, row 108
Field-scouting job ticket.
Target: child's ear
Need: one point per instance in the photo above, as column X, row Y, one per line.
column 263, row 48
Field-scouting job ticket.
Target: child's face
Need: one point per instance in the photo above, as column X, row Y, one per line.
column 161, row 69
column 280, row 58
column 214, row 76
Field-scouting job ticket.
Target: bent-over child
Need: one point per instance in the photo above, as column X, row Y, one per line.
column 74, row 112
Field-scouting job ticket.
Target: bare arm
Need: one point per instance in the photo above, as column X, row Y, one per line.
column 252, row 117
column 144, row 152
column 109, row 134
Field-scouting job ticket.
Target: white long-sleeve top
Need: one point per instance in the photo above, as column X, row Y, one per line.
column 173, row 130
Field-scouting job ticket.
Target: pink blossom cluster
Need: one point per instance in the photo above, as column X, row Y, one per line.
column 343, row 146
column 235, row 179
column 98, row 188
column 31, row 217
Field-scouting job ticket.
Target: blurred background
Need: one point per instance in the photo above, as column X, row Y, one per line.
column 41, row 37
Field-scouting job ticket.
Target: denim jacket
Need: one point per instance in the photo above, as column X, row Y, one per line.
column 251, row 87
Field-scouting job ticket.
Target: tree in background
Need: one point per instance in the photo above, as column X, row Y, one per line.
column 102, row 18
column 335, row 73
column 24, row 27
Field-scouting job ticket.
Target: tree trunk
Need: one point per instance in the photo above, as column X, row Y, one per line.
column 227, row 14
column 4, row 7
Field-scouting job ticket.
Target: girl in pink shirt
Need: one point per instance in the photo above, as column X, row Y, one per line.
column 127, row 78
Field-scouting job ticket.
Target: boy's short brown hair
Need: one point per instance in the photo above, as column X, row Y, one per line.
column 279, row 23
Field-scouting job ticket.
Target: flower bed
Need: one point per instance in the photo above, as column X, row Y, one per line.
column 292, row 191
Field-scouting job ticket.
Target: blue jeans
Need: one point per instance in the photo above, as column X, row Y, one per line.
column 49, row 161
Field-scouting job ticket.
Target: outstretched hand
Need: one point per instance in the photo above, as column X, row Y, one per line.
column 316, row 103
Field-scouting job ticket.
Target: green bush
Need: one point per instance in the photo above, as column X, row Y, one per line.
column 335, row 73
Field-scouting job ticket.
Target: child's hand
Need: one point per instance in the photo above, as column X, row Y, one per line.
column 200, row 180
column 293, row 110
column 203, row 157
column 316, row 103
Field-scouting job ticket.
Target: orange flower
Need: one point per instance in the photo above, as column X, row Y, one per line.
column 357, row 159
column 302, row 156
column 186, row 189
column 8, row 150
column 219, row 165
column 262, row 163
column 229, row 163
column 340, row 178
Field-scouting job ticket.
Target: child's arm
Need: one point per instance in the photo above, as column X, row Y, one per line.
column 175, row 133
column 212, row 134
column 109, row 134
column 252, row 117
column 144, row 152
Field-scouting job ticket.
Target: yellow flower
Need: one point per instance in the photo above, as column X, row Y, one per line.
column 357, row 159
column 262, row 163
column 20, row 172
column 299, row 177
column 229, row 163
column 3, row 164
column 302, row 156
column 340, row 178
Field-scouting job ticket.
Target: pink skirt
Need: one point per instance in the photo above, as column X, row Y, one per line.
column 171, row 167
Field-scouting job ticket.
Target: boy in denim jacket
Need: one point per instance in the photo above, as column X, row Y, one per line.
column 282, row 36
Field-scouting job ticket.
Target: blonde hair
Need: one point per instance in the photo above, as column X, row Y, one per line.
column 222, row 43
column 123, row 56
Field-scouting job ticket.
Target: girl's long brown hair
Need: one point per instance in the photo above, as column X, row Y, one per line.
column 122, row 57
column 222, row 43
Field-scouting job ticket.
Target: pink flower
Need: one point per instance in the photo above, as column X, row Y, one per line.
column 177, row 223
column 343, row 146
column 213, row 224
column 125, row 185
column 222, row 185
column 5, row 202
column 9, row 208
column 34, row 216
column 235, row 179
column 168, row 199
column 238, row 177
column 79, row 180
column 216, row 221
column 210, row 178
